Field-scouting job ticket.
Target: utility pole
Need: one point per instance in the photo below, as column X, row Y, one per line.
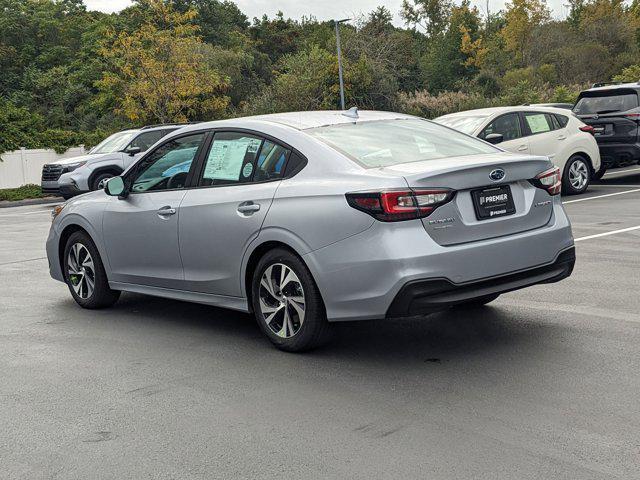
column 337, row 24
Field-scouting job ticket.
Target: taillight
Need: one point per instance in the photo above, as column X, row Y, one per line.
column 588, row 129
column 549, row 180
column 633, row 116
column 398, row 205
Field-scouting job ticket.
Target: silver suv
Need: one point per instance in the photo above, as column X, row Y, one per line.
column 73, row 176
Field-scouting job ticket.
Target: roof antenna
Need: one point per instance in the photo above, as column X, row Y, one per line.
column 351, row 113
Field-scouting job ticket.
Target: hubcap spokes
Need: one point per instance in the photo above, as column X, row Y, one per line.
column 282, row 301
column 82, row 274
column 578, row 175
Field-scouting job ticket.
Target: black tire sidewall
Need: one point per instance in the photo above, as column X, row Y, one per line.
column 99, row 178
column 314, row 330
column 567, row 188
column 102, row 295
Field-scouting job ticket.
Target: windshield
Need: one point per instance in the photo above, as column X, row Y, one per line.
column 114, row 143
column 610, row 103
column 465, row 124
column 392, row 142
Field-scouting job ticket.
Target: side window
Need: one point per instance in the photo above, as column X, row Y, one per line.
column 167, row 167
column 231, row 159
column 562, row 120
column 538, row 122
column 271, row 162
column 146, row 139
column 295, row 164
column 506, row 125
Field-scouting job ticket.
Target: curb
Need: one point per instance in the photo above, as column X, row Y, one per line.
column 31, row 201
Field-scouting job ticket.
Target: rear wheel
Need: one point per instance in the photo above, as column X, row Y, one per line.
column 287, row 304
column 576, row 176
column 85, row 275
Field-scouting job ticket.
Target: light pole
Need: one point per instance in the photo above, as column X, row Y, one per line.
column 337, row 24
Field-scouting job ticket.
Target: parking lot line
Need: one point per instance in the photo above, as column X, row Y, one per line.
column 601, row 196
column 621, row 172
column 605, row 234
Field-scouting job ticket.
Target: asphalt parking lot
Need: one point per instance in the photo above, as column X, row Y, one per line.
column 543, row 384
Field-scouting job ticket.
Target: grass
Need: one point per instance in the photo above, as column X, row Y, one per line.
column 21, row 193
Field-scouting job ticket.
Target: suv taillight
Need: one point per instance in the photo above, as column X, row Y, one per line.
column 549, row 180
column 398, row 205
column 588, row 129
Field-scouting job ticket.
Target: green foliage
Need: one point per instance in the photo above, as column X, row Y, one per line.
column 21, row 193
column 72, row 76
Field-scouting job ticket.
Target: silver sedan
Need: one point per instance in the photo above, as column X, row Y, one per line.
column 315, row 217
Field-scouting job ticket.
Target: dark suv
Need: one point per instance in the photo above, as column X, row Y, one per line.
column 612, row 109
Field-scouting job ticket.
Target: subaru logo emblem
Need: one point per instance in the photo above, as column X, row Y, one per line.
column 497, row 175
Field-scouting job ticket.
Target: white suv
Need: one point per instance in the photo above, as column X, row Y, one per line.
column 73, row 176
column 552, row 132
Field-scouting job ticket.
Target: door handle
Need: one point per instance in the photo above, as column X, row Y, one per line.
column 562, row 137
column 166, row 212
column 248, row 207
column 522, row 148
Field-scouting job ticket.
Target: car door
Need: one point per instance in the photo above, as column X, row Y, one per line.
column 509, row 125
column 545, row 138
column 141, row 231
column 218, row 220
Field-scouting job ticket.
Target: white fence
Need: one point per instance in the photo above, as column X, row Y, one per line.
column 21, row 167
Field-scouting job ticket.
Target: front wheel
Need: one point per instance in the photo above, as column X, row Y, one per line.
column 287, row 303
column 576, row 176
column 85, row 275
column 101, row 180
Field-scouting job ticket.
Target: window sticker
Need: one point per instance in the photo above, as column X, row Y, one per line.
column 246, row 171
column 537, row 123
column 227, row 156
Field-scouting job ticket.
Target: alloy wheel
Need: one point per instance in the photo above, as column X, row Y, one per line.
column 82, row 274
column 103, row 182
column 282, row 301
column 578, row 175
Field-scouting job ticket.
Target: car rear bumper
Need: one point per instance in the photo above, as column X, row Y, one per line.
column 426, row 296
column 361, row 277
column 619, row 154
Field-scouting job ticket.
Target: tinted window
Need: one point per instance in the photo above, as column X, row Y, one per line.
column 538, row 122
column 231, row 159
column 295, row 164
column 604, row 103
column 506, row 125
column 562, row 120
column 147, row 139
column 392, row 142
column 167, row 167
column 271, row 162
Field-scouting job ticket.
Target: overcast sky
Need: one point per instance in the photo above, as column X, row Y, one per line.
column 321, row 9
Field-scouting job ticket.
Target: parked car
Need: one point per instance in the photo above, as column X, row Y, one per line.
column 73, row 176
column 316, row 217
column 613, row 110
column 552, row 132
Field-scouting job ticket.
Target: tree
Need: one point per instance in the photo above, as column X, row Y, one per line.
column 431, row 15
column 522, row 17
column 159, row 73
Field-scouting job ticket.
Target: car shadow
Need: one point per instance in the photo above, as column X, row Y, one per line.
column 438, row 338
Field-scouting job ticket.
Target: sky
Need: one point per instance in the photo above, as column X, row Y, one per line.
column 321, row 9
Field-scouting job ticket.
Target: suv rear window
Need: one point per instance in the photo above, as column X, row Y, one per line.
column 606, row 102
column 392, row 142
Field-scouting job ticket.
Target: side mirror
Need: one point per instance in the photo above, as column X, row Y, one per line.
column 115, row 187
column 494, row 138
column 133, row 151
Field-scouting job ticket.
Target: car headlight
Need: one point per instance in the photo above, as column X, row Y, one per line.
column 57, row 210
column 73, row 166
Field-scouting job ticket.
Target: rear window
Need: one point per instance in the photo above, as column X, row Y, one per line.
column 606, row 103
column 392, row 142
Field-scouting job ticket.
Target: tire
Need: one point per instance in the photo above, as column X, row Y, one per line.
column 576, row 176
column 479, row 302
column 100, row 296
column 100, row 178
column 600, row 173
column 273, row 302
